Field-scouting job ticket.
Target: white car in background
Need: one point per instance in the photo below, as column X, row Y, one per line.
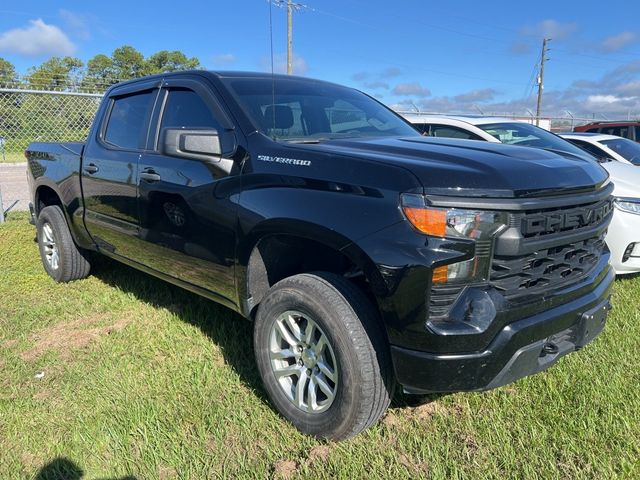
column 623, row 237
column 601, row 145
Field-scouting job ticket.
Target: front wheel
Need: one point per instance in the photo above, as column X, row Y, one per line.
column 322, row 355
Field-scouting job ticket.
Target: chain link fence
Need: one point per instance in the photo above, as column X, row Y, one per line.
column 42, row 116
column 31, row 115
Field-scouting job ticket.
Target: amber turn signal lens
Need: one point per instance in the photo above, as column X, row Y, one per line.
column 440, row 274
column 429, row 221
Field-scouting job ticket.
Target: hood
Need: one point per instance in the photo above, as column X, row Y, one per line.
column 625, row 178
column 476, row 168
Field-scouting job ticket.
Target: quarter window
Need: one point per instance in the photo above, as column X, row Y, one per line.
column 128, row 121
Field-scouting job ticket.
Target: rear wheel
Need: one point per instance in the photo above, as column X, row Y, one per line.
column 322, row 355
column 61, row 258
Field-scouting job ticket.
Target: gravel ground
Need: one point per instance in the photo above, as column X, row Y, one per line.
column 13, row 185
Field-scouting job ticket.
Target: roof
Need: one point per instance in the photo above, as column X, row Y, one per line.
column 226, row 74
column 596, row 137
column 470, row 119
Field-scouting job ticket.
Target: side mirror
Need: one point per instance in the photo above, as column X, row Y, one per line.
column 195, row 144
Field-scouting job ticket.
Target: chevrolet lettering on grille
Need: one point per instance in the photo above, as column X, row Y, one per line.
column 576, row 218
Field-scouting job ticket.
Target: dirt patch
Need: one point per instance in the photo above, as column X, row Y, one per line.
column 70, row 336
column 9, row 344
column 166, row 473
column 319, row 453
column 417, row 469
column 390, row 420
column 428, row 410
column 285, row 469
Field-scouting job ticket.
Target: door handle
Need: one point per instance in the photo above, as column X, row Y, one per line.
column 150, row 175
column 91, row 168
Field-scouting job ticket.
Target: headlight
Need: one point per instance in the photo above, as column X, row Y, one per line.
column 631, row 205
column 479, row 226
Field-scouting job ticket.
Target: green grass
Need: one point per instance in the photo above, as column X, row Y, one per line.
column 12, row 157
column 143, row 379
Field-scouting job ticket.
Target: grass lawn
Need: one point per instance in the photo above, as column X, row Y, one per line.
column 12, row 157
column 142, row 379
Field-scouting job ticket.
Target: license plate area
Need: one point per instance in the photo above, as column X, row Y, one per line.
column 591, row 323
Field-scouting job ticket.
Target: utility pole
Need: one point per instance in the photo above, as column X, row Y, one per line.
column 291, row 7
column 543, row 58
column 289, row 37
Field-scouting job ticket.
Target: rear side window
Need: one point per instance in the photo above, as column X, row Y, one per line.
column 447, row 131
column 589, row 147
column 128, row 120
column 617, row 131
column 593, row 130
column 185, row 109
column 423, row 128
column 637, row 139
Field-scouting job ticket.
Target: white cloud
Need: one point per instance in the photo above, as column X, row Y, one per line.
column 224, row 58
column 411, row 89
column 480, row 95
column 76, row 23
column 616, row 42
column 36, row 39
column 551, row 29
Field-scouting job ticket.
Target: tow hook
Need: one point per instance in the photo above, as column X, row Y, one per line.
column 549, row 348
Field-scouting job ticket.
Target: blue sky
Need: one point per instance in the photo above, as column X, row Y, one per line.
column 436, row 56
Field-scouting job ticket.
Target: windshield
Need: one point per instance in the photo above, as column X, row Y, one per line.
column 298, row 110
column 626, row 148
column 526, row 135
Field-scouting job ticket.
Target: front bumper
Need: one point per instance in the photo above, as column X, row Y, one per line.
column 624, row 229
column 521, row 348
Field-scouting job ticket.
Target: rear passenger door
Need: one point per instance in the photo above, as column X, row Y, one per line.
column 110, row 167
column 187, row 217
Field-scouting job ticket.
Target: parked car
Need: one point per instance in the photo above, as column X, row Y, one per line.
column 363, row 253
column 606, row 146
column 623, row 236
column 626, row 129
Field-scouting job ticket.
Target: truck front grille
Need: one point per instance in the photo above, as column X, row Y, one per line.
column 546, row 269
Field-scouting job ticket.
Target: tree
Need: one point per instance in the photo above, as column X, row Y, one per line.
column 56, row 74
column 7, row 72
column 127, row 63
column 100, row 73
column 166, row 61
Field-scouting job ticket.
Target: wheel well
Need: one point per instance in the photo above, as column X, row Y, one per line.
column 280, row 256
column 46, row 196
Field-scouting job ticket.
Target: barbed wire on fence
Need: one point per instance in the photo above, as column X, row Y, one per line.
column 29, row 114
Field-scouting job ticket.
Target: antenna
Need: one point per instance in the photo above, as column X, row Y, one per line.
column 273, row 78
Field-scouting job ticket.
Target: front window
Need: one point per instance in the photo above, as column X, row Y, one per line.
column 298, row 110
column 526, row 135
column 625, row 148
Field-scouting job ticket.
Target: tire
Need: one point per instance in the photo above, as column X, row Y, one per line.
column 349, row 372
column 62, row 259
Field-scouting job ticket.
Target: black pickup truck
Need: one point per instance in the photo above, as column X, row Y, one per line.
column 364, row 254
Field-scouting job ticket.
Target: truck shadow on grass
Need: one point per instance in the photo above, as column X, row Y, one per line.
column 62, row 468
column 227, row 329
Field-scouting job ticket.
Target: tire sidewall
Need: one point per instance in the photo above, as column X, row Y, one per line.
column 48, row 216
column 340, row 414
